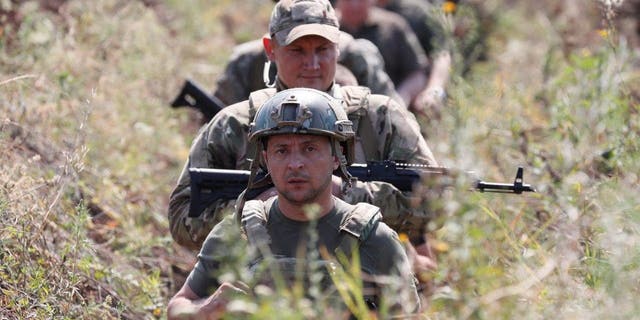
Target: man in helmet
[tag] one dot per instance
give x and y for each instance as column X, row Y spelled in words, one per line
column 302, row 136
column 303, row 43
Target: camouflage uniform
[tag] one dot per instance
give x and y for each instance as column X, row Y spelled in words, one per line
column 243, row 73
column 392, row 134
column 396, row 41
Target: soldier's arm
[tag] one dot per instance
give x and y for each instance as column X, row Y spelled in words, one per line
column 203, row 295
column 235, row 84
column 384, row 254
column 414, row 63
column 220, row 144
column 364, row 60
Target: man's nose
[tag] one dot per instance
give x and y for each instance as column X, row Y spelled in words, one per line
column 312, row 61
column 295, row 161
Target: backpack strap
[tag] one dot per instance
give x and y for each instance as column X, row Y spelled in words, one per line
column 253, row 222
column 357, row 227
column 256, row 99
column 356, row 99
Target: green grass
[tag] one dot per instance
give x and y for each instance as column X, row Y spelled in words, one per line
column 90, row 150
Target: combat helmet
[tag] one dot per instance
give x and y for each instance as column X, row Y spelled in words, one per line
column 305, row 111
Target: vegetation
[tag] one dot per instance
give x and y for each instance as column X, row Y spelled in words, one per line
column 90, row 150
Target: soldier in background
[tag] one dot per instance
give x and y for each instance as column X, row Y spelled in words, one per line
column 426, row 19
column 405, row 61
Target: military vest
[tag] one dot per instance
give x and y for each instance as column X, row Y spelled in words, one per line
column 355, row 229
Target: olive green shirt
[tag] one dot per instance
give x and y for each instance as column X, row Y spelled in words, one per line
column 381, row 254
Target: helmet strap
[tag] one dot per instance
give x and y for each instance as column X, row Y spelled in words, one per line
column 346, row 176
column 254, row 167
column 265, row 75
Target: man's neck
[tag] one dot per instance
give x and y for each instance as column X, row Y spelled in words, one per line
column 308, row 211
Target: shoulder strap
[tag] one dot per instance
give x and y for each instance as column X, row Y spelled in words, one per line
column 356, row 99
column 258, row 98
column 253, row 221
column 357, row 227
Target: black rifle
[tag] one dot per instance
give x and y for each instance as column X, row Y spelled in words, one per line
column 209, row 185
column 193, row 96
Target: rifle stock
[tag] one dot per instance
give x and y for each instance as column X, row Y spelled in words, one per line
column 209, row 185
column 191, row 95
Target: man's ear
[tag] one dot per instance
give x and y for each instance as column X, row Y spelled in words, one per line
column 336, row 162
column 267, row 42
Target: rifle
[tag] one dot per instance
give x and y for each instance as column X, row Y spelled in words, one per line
column 193, row 96
column 209, row 185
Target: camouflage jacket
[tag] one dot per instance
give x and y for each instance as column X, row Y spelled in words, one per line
column 243, row 73
column 392, row 133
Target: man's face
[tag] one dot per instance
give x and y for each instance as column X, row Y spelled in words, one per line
column 301, row 166
column 309, row 62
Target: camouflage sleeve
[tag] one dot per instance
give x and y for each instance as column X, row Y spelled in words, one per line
column 399, row 136
column 214, row 258
column 364, row 60
column 220, row 144
column 399, row 139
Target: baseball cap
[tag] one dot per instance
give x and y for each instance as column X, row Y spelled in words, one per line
column 292, row 19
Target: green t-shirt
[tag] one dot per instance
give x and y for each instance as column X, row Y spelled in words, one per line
column 381, row 253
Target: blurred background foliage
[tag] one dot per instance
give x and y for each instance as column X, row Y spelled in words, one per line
column 90, row 150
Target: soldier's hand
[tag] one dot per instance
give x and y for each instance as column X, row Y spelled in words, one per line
column 422, row 259
column 214, row 307
column 429, row 102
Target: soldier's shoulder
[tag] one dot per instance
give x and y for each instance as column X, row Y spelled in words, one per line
column 359, row 97
column 238, row 110
column 247, row 49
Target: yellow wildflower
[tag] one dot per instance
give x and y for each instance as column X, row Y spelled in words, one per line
column 449, row 7
column 604, row 33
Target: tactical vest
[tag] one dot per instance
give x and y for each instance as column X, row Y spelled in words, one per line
column 355, row 100
column 355, row 228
